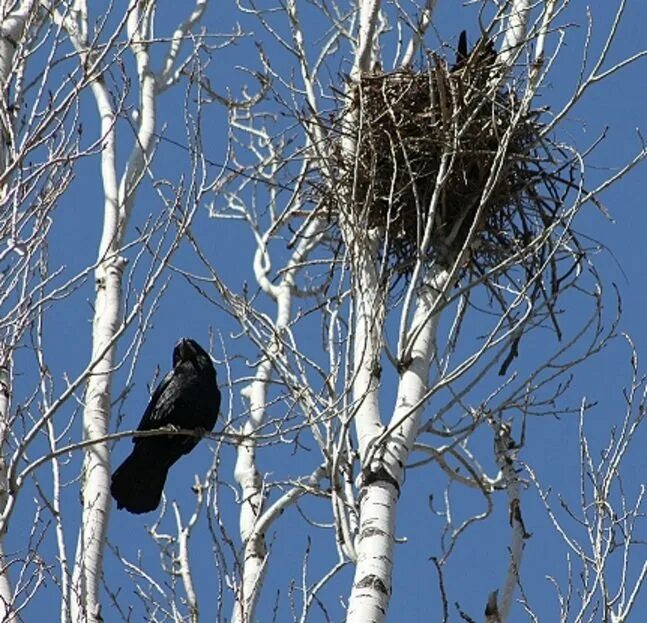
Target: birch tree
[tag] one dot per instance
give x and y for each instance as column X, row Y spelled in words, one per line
column 396, row 293
column 41, row 120
column 420, row 190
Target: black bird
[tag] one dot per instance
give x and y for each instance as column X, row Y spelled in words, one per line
column 187, row 398
column 461, row 51
column 484, row 52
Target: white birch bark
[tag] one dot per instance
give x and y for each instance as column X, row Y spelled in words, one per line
column 246, row 472
column 424, row 21
column 367, row 342
column 368, row 303
column 119, row 199
column 365, row 531
column 368, row 17
column 118, row 205
column 13, row 20
column 382, row 452
column 505, row 450
column 6, row 590
column 250, row 482
column 515, row 33
column 96, row 414
column 384, row 469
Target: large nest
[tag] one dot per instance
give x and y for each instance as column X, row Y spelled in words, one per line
column 442, row 144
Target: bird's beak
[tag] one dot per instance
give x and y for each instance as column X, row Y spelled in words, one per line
column 187, row 352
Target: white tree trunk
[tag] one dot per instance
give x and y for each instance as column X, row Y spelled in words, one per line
column 368, row 13
column 250, row 483
column 367, row 342
column 6, row 590
column 118, row 206
column 119, row 200
column 246, row 472
column 13, row 20
column 96, row 415
column 384, row 470
column 516, row 27
column 371, row 590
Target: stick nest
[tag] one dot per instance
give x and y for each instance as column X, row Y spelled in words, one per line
column 441, row 144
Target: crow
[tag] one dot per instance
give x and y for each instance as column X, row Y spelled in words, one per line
column 187, row 398
column 484, row 53
column 461, row 51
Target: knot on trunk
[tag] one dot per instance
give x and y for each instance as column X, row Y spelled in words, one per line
column 378, row 473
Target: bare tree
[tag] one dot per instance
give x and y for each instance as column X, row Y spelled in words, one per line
column 421, row 201
column 602, row 528
column 42, row 138
column 405, row 217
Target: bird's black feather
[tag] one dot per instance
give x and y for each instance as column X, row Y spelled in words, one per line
column 187, row 398
column 482, row 55
column 461, row 51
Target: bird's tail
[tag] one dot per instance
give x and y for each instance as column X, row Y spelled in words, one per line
column 137, row 483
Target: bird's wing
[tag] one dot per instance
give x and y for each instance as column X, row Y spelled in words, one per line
column 160, row 403
column 461, row 51
column 186, row 398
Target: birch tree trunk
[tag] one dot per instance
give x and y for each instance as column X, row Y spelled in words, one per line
column 96, row 414
column 253, row 520
column 383, row 471
column 6, row 591
column 13, row 23
column 118, row 206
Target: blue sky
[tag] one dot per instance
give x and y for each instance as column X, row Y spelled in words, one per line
column 479, row 562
